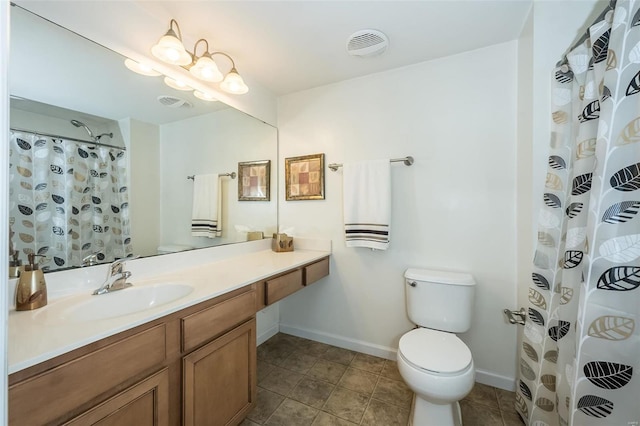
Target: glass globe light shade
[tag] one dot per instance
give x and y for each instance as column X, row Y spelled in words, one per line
column 171, row 50
column 234, row 84
column 206, row 69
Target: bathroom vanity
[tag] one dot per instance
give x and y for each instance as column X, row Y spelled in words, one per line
column 192, row 362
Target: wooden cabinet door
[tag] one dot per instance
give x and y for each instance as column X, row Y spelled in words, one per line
column 220, row 379
column 144, row 404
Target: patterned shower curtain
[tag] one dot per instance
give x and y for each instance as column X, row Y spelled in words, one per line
column 580, row 356
column 68, row 200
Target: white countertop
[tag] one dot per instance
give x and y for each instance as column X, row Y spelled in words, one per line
column 39, row 335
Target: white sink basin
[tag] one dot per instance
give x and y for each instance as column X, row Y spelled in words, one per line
column 125, row 302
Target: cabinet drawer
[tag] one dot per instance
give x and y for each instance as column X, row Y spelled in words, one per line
column 50, row 395
column 206, row 324
column 315, row 271
column 279, row 288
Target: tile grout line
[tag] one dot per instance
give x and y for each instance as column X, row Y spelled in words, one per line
column 386, row 366
column 369, row 400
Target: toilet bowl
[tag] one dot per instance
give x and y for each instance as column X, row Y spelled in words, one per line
column 438, row 367
column 434, row 363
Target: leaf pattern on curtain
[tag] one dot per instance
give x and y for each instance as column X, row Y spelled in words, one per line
column 68, row 200
column 608, row 375
column 580, row 351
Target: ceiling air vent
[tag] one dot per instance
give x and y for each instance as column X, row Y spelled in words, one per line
column 367, row 43
column 174, row 102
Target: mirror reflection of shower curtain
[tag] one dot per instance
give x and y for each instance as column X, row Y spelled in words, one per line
column 580, row 356
column 68, row 200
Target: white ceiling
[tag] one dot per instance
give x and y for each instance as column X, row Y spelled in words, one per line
column 278, row 46
column 288, row 46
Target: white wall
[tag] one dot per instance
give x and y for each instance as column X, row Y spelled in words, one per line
column 144, row 192
column 454, row 209
column 214, row 143
column 526, row 235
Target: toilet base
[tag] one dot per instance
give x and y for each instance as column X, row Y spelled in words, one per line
column 424, row 413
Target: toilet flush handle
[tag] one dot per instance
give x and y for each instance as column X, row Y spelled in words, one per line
column 412, row 283
column 516, row 317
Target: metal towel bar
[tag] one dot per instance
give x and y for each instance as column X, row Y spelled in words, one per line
column 232, row 175
column 406, row 160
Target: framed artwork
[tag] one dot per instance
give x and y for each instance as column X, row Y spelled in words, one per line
column 254, row 180
column 304, row 177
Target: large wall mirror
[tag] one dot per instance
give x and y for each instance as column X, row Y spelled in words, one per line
column 74, row 201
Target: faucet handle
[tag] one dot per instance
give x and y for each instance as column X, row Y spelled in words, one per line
column 91, row 259
column 116, row 266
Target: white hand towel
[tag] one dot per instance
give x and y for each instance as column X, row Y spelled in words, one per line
column 367, row 204
column 206, row 214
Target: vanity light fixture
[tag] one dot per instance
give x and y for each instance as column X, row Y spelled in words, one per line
column 233, row 83
column 176, row 84
column 170, row 49
column 140, row 68
column 204, row 67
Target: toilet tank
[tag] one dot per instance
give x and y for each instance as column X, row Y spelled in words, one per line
column 173, row 248
column 440, row 300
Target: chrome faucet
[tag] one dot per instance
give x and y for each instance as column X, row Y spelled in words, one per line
column 116, row 277
column 90, row 260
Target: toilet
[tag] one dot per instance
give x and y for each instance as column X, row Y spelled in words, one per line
column 173, row 248
column 435, row 364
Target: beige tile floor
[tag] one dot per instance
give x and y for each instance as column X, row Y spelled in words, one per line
column 302, row 382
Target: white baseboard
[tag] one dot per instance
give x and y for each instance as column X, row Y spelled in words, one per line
column 267, row 334
column 341, row 341
column 495, row 380
column 484, row 377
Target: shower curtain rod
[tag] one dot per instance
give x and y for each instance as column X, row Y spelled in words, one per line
column 406, row 160
column 585, row 35
column 122, row 148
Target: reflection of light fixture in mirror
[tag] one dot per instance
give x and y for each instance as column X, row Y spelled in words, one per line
column 205, row 68
column 170, row 48
column 204, row 96
column 176, row 84
column 140, row 68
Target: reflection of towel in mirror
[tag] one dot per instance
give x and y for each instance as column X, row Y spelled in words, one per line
column 206, row 219
column 367, row 204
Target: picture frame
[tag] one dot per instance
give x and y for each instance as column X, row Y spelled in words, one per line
column 304, row 177
column 254, row 180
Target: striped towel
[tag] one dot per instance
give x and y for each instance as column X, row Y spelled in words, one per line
column 367, row 204
column 207, row 198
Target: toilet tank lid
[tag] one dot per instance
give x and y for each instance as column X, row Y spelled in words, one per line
column 174, row 248
column 445, row 277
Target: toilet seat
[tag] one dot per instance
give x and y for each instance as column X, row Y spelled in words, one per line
column 436, row 352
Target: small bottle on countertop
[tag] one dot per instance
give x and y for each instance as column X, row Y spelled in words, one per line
column 31, row 290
